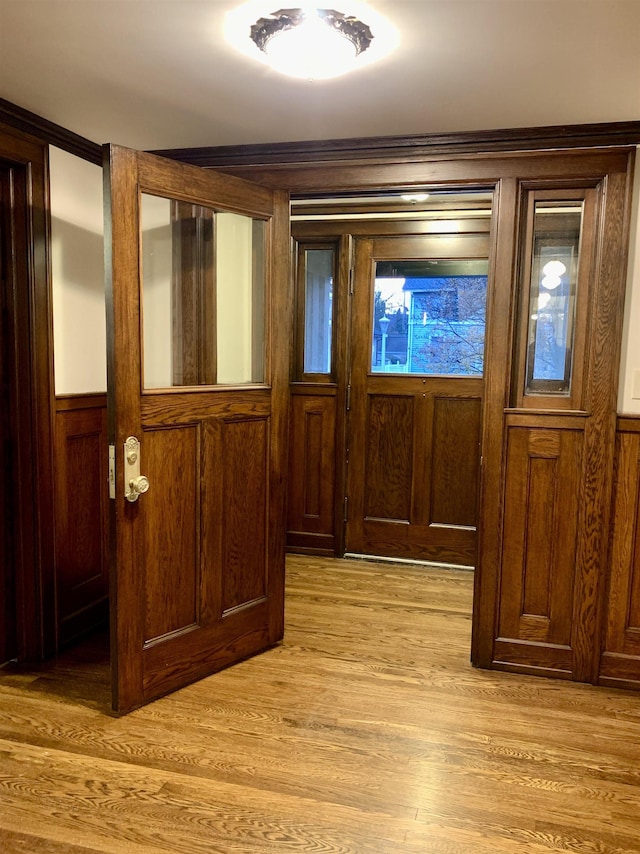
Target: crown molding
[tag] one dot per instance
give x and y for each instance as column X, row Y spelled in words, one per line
column 415, row 147
column 23, row 120
column 412, row 147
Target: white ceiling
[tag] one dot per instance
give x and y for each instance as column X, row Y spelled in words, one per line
column 159, row 74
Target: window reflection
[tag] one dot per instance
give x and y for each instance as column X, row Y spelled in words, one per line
column 203, row 293
column 318, row 310
column 552, row 300
column 430, row 319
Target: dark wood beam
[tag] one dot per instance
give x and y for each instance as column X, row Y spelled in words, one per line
column 412, row 147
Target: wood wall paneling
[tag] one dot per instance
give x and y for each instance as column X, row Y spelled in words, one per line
column 620, row 659
column 543, row 474
column 81, row 521
column 414, row 165
column 312, row 471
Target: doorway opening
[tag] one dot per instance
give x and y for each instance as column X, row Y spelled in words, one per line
column 386, row 398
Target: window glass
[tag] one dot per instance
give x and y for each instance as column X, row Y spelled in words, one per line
column 318, row 310
column 203, row 291
column 552, row 297
column 429, row 317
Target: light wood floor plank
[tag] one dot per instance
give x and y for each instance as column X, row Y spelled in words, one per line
column 365, row 732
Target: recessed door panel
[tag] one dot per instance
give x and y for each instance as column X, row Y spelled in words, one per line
column 244, row 486
column 170, row 540
column 389, row 467
column 455, row 461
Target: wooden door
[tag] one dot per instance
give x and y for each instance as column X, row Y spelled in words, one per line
column 415, row 398
column 198, row 359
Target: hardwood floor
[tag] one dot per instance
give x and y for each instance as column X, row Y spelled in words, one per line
column 365, row 731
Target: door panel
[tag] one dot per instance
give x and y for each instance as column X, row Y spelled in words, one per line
column 539, row 543
column 414, row 435
column 454, row 460
column 312, row 471
column 199, row 557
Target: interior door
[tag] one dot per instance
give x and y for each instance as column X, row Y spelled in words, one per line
column 416, row 394
column 197, row 305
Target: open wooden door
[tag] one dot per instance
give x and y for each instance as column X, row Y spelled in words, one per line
column 197, row 304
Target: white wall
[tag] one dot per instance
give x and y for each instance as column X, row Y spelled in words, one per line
column 234, row 297
column 156, row 291
column 77, row 266
column 629, row 391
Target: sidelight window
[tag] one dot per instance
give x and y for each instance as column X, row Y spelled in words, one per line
column 557, row 259
column 316, row 276
column 552, row 297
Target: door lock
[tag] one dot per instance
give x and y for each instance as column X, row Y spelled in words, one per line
column 135, row 484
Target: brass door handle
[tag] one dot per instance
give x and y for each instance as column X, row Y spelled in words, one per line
column 135, row 484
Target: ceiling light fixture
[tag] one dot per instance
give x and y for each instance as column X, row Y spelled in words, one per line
column 311, row 43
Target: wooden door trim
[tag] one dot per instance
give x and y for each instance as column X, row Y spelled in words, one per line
column 508, row 173
column 415, row 147
column 36, row 578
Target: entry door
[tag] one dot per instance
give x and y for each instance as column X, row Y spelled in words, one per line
column 197, row 321
column 416, row 394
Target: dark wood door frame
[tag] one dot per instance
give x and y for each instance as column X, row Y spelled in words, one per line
column 509, row 175
column 24, row 162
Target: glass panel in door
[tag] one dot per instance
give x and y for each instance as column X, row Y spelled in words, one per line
column 203, row 295
column 429, row 317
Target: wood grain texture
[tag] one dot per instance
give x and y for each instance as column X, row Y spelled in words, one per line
column 81, row 526
column 198, row 579
column 388, row 472
column 26, row 245
column 455, row 461
column 244, row 484
column 540, row 541
column 170, row 541
column 365, row 732
column 312, row 467
column 413, row 439
column 620, row 659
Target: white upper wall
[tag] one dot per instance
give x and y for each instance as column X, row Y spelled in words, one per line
column 77, row 267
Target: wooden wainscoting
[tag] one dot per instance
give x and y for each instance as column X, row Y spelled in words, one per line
column 312, row 467
column 81, row 519
column 542, row 503
column 620, row 659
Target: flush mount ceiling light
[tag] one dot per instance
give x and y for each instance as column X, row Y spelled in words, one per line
column 312, row 43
